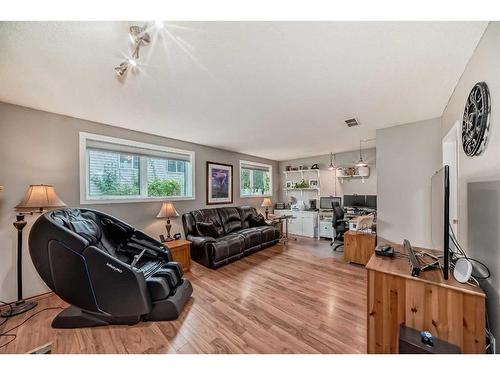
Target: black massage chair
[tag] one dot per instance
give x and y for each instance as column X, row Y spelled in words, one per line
column 109, row 272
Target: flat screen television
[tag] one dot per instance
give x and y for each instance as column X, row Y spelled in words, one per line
column 440, row 215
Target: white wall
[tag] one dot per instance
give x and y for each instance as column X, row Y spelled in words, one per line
column 330, row 184
column 41, row 147
column 473, row 171
column 407, row 157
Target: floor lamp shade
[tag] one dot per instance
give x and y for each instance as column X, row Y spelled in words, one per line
column 40, row 197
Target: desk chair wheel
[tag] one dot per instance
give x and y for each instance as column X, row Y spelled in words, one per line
column 338, row 246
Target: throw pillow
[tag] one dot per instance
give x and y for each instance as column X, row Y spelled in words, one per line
column 257, row 220
column 207, row 229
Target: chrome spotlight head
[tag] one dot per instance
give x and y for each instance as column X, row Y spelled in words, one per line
column 139, row 35
column 121, row 69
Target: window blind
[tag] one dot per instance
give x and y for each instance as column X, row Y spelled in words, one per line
column 109, row 146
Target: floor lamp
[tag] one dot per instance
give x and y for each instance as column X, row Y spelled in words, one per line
column 37, row 198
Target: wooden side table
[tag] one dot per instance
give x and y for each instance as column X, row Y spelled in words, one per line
column 359, row 246
column 181, row 252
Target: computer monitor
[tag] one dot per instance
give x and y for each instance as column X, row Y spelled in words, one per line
column 325, row 202
column 371, row 201
column 354, row 200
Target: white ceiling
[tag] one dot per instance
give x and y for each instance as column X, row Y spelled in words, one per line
column 279, row 90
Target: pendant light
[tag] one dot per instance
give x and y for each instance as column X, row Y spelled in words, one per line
column 361, row 162
column 332, row 165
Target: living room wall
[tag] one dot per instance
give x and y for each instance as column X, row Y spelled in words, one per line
column 407, row 157
column 39, row 147
column 479, row 176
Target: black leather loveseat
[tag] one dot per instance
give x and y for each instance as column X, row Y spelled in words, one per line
column 109, row 272
column 222, row 235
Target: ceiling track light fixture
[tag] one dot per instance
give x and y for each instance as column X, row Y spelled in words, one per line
column 139, row 38
column 361, row 162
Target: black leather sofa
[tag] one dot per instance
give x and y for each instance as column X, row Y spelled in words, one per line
column 236, row 232
column 109, row 272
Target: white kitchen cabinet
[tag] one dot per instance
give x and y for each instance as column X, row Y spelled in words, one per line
column 304, row 224
column 295, row 225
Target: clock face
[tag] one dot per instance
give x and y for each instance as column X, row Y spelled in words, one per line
column 476, row 121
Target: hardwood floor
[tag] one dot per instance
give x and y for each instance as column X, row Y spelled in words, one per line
column 295, row 299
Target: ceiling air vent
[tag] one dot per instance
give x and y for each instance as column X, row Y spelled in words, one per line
column 351, row 122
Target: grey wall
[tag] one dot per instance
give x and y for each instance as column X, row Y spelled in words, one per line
column 40, row 147
column 330, row 184
column 483, row 244
column 407, row 157
column 483, row 66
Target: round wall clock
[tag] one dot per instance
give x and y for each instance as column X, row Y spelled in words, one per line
column 476, row 121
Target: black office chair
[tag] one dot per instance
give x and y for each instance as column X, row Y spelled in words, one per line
column 339, row 224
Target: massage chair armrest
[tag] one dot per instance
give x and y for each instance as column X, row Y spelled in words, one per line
column 119, row 289
column 200, row 241
column 139, row 240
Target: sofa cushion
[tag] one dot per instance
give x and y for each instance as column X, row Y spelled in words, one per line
column 207, row 229
column 231, row 219
column 209, row 215
column 257, row 221
column 252, row 237
column 245, row 213
column 268, row 233
column 227, row 246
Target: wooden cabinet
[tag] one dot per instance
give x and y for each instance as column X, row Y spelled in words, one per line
column 181, row 252
column 451, row 311
column 359, row 246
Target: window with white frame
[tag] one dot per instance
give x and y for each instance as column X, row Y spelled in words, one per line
column 118, row 170
column 255, row 179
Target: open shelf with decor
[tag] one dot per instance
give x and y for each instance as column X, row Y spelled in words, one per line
column 301, row 173
column 353, row 172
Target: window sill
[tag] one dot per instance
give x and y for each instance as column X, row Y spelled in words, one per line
column 136, row 200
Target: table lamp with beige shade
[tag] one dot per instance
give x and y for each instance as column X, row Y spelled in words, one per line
column 267, row 203
column 168, row 210
column 36, row 200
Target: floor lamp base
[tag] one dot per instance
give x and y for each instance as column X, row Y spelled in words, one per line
column 19, row 307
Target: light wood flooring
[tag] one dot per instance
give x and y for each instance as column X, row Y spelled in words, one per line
column 295, row 299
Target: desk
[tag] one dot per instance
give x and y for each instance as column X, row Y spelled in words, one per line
column 359, row 246
column 451, row 311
